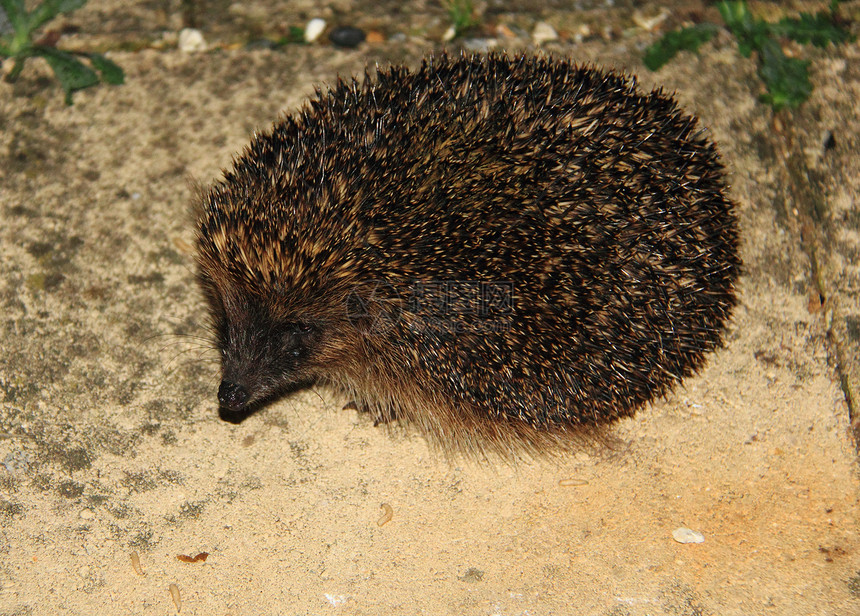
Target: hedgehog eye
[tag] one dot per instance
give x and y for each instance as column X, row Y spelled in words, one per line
column 297, row 336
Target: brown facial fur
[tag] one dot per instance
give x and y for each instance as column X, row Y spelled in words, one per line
column 372, row 239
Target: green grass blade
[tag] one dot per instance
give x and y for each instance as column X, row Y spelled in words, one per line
column 460, row 14
column 735, row 13
column 750, row 32
column 16, row 38
column 15, row 11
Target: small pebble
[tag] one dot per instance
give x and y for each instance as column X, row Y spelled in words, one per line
column 449, row 35
column 375, row 36
column 543, row 33
column 335, row 600
column 17, row 461
column 482, row 45
column 86, row 514
column 472, row 575
column 650, row 23
column 191, row 40
column 581, row 33
column 685, row 535
column 346, row 36
column 313, row 29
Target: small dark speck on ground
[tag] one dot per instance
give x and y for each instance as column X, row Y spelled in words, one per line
column 472, row 575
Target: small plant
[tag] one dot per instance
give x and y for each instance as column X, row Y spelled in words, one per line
column 18, row 43
column 461, row 14
column 786, row 79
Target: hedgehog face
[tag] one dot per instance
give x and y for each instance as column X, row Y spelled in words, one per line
column 261, row 354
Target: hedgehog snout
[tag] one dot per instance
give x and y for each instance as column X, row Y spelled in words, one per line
column 262, row 358
column 232, row 396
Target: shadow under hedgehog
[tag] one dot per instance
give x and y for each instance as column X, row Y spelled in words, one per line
column 501, row 250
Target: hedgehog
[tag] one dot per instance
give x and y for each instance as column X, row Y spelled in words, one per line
column 504, row 251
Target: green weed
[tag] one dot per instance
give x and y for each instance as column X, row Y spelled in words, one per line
column 786, row 79
column 461, row 14
column 72, row 74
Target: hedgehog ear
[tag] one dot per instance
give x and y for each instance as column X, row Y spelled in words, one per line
column 372, row 308
column 359, row 312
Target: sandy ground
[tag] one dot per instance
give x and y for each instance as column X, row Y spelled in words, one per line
column 111, row 442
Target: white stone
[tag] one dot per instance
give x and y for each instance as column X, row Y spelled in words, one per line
column 543, row 33
column 313, row 29
column 191, row 40
column 482, row 45
column 335, row 600
column 650, row 23
column 685, row 535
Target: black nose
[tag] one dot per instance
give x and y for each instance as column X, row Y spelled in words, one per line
column 232, row 396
